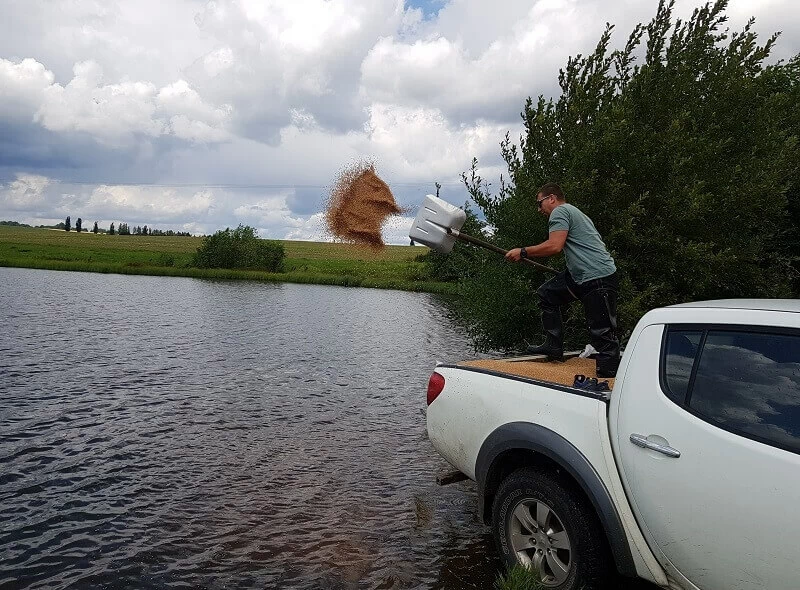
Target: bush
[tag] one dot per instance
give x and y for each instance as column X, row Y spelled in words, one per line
column 239, row 248
column 687, row 164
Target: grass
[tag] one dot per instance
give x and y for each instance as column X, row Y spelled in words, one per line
column 519, row 578
column 393, row 267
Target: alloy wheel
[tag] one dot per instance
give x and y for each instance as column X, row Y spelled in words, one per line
column 539, row 540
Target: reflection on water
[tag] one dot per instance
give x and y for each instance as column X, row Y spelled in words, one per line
column 168, row 432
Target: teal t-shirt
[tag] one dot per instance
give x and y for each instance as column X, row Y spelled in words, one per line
column 586, row 254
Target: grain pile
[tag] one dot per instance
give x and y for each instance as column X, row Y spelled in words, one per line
column 358, row 206
column 562, row 373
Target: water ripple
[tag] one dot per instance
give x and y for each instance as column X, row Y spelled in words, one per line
column 164, row 432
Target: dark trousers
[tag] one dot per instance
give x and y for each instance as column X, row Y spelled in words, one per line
column 599, row 299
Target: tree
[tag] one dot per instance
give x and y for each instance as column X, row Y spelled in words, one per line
column 672, row 159
column 111, row 229
column 239, row 248
column 67, row 224
column 95, row 228
column 78, row 225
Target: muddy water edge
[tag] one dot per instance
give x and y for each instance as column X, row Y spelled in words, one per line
column 168, row 432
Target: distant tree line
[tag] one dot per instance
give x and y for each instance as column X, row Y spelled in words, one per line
column 9, row 223
column 123, row 230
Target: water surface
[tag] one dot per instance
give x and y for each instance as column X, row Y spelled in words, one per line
column 160, row 432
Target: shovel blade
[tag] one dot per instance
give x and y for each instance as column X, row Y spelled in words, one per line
column 430, row 226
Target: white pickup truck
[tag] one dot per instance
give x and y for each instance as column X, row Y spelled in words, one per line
column 686, row 474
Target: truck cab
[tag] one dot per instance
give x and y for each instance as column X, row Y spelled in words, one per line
column 718, row 383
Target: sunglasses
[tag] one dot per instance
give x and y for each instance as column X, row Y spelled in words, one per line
column 540, row 201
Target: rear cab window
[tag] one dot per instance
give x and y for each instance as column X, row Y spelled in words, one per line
column 680, row 350
column 743, row 379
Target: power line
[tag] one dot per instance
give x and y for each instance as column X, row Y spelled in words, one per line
column 225, row 185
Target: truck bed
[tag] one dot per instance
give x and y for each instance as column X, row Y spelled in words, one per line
column 538, row 367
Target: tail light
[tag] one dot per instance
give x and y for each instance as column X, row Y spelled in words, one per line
column 435, row 387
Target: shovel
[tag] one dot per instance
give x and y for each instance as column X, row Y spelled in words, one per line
column 437, row 226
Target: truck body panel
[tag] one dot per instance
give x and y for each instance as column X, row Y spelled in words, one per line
column 697, row 446
column 712, row 514
column 472, row 406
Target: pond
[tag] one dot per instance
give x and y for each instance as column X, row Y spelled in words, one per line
column 162, row 432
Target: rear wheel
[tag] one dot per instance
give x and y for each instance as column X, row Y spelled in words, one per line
column 541, row 522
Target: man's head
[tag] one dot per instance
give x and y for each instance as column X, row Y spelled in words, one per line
column 549, row 197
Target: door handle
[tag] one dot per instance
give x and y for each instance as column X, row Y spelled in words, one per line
column 641, row 440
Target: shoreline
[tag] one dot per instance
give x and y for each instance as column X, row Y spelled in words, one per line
column 434, row 287
column 318, row 263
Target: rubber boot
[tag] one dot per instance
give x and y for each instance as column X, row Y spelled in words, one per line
column 553, row 345
column 601, row 314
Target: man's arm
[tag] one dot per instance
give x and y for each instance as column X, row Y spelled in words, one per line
column 554, row 244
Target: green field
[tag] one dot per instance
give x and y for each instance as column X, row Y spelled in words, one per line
column 393, row 267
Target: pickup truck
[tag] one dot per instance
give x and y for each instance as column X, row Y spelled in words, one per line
column 686, row 473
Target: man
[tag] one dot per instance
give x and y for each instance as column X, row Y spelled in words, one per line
column 591, row 277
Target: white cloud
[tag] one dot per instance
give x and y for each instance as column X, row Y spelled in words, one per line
column 114, row 114
column 264, row 212
column 157, row 204
column 111, row 113
column 306, row 26
column 191, row 118
column 311, row 229
column 147, row 40
column 180, row 98
column 22, row 86
column 218, row 61
column 395, row 230
column 197, row 131
column 419, row 143
column 274, row 219
column 476, row 62
column 276, row 57
column 25, row 193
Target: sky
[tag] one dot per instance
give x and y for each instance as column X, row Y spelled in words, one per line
column 198, row 115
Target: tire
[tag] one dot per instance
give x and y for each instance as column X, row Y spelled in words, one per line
column 540, row 521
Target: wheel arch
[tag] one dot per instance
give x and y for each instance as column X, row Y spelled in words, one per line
column 523, row 444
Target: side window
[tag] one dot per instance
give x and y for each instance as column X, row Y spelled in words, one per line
column 749, row 383
column 679, row 353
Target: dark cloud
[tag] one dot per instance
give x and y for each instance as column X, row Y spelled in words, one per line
column 307, row 200
column 78, row 157
column 31, row 148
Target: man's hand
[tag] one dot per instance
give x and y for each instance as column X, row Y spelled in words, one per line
column 554, row 244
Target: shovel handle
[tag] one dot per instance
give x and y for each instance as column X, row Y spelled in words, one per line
column 498, row 249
